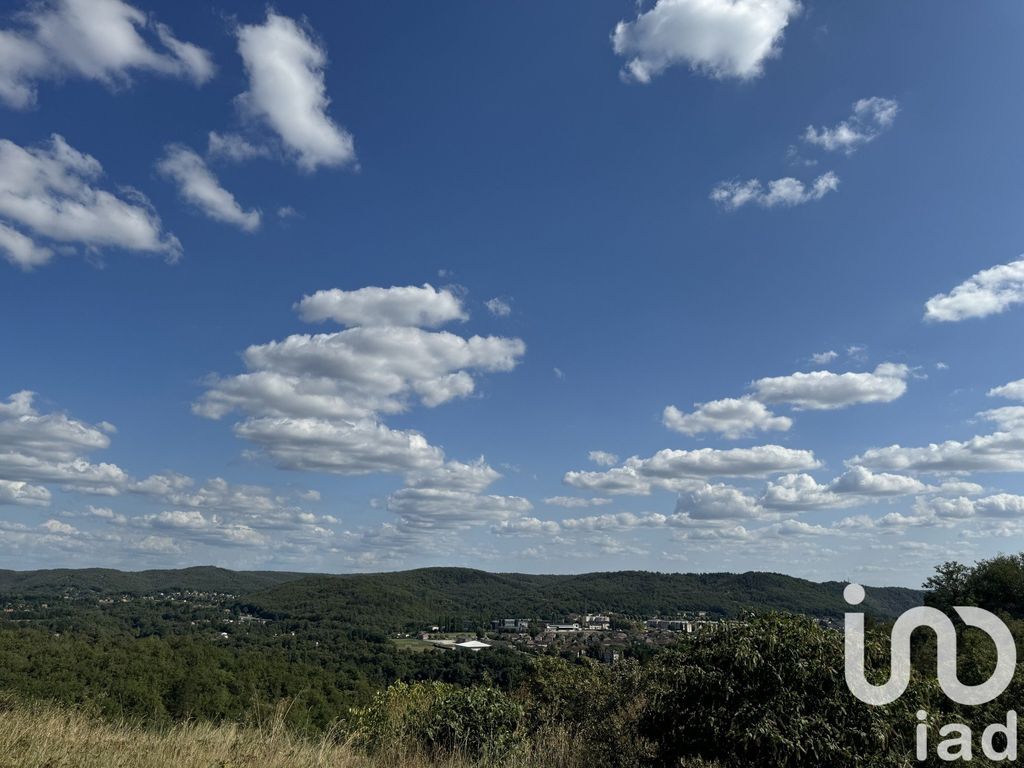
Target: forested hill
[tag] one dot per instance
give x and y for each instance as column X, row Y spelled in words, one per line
column 106, row 581
column 407, row 599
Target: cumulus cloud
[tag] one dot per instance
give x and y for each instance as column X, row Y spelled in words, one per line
column 730, row 417
column 870, row 118
column 998, row 452
column 989, row 292
column 576, row 502
column 103, row 40
column 50, row 192
column 824, row 390
column 824, row 358
column 1010, row 418
column 801, row 492
column 617, row 521
column 287, row 91
column 526, row 526
column 498, row 307
column 199, row 187
column 423, row 306
column 1002, row 506
column 718, row 502
column 1012, row 391
column 20, row 492
column 721, row 38
column 428, row 508
column 678, row 470
column 50, row 448
column 318, row 402
column 231, row 146
column 785, row 192
column 603, row 458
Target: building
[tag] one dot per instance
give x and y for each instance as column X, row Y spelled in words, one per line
column 597, row 621
column 511, row 625
column 472, row 645
column 563, row 627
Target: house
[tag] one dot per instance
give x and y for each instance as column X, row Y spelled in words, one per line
column 597, row 621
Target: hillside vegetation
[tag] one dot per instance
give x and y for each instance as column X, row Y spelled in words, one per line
column 408, row 599
column 107, row 581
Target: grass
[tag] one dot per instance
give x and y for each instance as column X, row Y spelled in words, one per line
column 414, row 644
column 41, row 735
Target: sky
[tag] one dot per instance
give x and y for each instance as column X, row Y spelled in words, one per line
column 695, row 285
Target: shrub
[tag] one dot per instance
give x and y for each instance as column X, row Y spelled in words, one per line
column 438, row 719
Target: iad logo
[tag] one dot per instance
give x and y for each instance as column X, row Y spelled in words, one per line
column 899, row 675
column 958, row 746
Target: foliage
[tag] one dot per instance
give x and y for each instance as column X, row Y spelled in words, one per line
column 437, row 719
column 464, row 599
column 770, row 694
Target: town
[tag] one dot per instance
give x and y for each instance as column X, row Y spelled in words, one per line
column 602, row 636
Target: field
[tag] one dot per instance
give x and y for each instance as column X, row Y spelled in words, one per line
column 37, row 735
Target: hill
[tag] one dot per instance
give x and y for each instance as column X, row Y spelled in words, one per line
column 106, row 581
column 408, row 599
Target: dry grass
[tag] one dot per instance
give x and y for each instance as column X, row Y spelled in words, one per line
column 37, row 735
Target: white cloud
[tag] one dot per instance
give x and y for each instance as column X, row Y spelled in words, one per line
column 433, row 508
column 824, row 358
column 423, row 306
column 21, row 250
column 472, row 477
column 231, row 146
column 862, row 482
column 1012, row 391
column 988, row 292
column 730, row 417
column 526, row 526
column 870, row 118
column 19, row 492
column 498, row 307
column 998, row 506
column 576, row 502
column 617, row 480
column 101, row 40
column 677, row 470
column 50, row 448
column 721, row 38
column 617, row 521
column 287, row 91
column 314, row 402
column 998, row 452
column 824, row 390
column 718, row 502
column 1010, row 418
column 757, row 461
column 797, row 492
column 56, row 526
column 345, row 448
column 198, row 186
column 603, row 458
column 785, row 192
column 49, row 191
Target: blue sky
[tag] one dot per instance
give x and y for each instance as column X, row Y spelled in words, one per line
column 612, row 188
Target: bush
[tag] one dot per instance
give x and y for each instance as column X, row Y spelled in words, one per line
column 435, row 720
column 770, row 694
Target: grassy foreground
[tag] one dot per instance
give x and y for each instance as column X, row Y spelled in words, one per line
column 41, row 735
